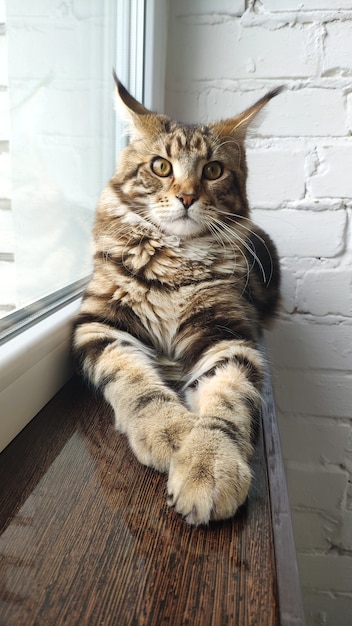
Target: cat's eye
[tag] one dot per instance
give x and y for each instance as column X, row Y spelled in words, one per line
column 161, row 167
column 212, row 170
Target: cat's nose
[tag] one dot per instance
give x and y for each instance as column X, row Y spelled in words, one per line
column 187, row 199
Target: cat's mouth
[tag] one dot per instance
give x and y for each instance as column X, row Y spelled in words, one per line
column 183, row 222
column 186, row 217
column 183, row 225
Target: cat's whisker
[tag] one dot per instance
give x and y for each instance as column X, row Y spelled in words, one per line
column 220, row 141
column 215, row 232
column 251, row 231
column 232, row 142
column 238, row 221
column 226, row 238
column 233, row 237
column 227, row 235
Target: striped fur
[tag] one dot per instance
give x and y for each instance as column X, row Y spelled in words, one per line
column 182, row 283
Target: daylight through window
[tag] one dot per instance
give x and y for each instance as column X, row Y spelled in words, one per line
column 57, row 136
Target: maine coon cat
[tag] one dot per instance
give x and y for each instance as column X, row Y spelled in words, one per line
column 183, row 281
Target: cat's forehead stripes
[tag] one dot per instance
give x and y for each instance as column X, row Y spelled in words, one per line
column 188, row 139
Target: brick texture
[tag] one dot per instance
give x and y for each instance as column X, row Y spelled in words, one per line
column 300, row 189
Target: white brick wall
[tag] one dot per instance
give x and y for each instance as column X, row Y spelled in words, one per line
column 332, row 177
column 328, row 292
column 221, row 57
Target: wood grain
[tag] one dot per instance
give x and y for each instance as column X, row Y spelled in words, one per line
column 87, row 538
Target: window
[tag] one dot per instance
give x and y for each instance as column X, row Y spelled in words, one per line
column 59, row 138
column 61, row 144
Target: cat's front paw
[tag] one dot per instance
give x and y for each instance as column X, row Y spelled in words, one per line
column 154, row 438
column 208, row 478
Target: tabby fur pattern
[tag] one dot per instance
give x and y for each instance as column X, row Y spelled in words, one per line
column 183, row 282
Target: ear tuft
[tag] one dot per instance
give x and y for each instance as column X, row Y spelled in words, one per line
column 129, row 101
column 239, row 125
column 140, row 122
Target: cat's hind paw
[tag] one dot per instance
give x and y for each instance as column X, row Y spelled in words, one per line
column 208, row 478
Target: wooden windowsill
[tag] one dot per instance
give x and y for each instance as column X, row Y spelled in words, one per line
column 86, row 537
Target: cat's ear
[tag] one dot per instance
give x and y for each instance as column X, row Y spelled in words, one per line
column 140, row 122
column 238, row 126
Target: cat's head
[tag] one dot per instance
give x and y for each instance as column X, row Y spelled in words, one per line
column 186, row 179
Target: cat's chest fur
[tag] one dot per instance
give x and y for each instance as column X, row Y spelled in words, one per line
column 160, row 278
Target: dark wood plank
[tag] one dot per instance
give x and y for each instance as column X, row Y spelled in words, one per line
column 289, row 591
column 87, row 537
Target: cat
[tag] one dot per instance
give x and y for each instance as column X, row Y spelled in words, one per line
column 183, row 282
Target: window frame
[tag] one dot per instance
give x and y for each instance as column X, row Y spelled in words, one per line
column 35, row 362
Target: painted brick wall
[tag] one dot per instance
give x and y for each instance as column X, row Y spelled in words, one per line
column 222, row 56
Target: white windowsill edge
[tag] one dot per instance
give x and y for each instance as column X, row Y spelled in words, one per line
column 39, row 354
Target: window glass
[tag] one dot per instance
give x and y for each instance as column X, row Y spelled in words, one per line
column 57, row 140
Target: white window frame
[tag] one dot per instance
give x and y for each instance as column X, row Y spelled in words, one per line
column 36, row 363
